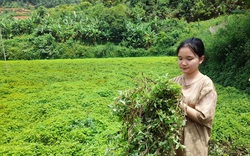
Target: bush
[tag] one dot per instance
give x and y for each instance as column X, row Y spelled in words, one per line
column 138, row 35
column 19, row 48
column 44, row 46
column 228, row 54
column 168, row 34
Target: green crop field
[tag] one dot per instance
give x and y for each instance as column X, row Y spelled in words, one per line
column 61, row 107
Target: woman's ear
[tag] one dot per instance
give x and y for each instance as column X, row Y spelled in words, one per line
column 202, row 59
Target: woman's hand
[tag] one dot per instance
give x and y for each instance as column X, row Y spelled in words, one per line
column 183, row 106
column 189, row 111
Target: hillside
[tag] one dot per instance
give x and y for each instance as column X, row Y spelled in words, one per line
column 133, row 29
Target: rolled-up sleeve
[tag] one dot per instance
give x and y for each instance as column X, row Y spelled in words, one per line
column 206, row 105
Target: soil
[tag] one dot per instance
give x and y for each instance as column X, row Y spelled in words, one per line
column 20, row 13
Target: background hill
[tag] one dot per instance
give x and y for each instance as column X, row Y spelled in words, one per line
column 123, row 28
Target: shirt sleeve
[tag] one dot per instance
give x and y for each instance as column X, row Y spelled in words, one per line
column 207, row 104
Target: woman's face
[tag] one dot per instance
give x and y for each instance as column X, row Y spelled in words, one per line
column 188, row 61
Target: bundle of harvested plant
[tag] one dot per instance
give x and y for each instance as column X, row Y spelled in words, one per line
column 152, row 120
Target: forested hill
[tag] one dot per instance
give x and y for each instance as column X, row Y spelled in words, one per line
column 191, row 10
column 131, row 28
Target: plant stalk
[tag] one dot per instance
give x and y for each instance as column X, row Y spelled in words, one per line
column 4, row 54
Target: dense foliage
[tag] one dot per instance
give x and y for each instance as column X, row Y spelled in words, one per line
column 191, row 10
column 86, row 25
column 61, row 107
column 133, row 28
column 232, row 111
column 152, row 119
column 229, row 54
column 108, row 32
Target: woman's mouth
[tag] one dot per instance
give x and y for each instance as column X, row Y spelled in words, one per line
column 184, row 68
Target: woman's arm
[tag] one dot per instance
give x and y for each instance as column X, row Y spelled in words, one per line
column 204, row 111
column 190, row 112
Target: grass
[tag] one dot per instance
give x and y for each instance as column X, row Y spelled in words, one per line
column 61, row 107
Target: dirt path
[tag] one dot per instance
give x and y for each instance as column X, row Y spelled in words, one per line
column 20, row 13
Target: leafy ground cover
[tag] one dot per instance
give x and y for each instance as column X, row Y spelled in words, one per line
column 61, row 107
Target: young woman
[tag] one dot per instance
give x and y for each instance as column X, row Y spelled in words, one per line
column 198, row 98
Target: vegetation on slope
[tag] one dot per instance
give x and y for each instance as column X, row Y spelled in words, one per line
column 61, row 107
column 57, row 33
column 228, row 54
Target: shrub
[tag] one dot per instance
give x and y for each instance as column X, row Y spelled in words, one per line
column 19, row 48
column 168, row 34
column 228, row 56
column 44, row 45
column 138, row 35
column 72, row 49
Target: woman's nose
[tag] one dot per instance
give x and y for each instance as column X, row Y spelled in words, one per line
column 184, row 63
